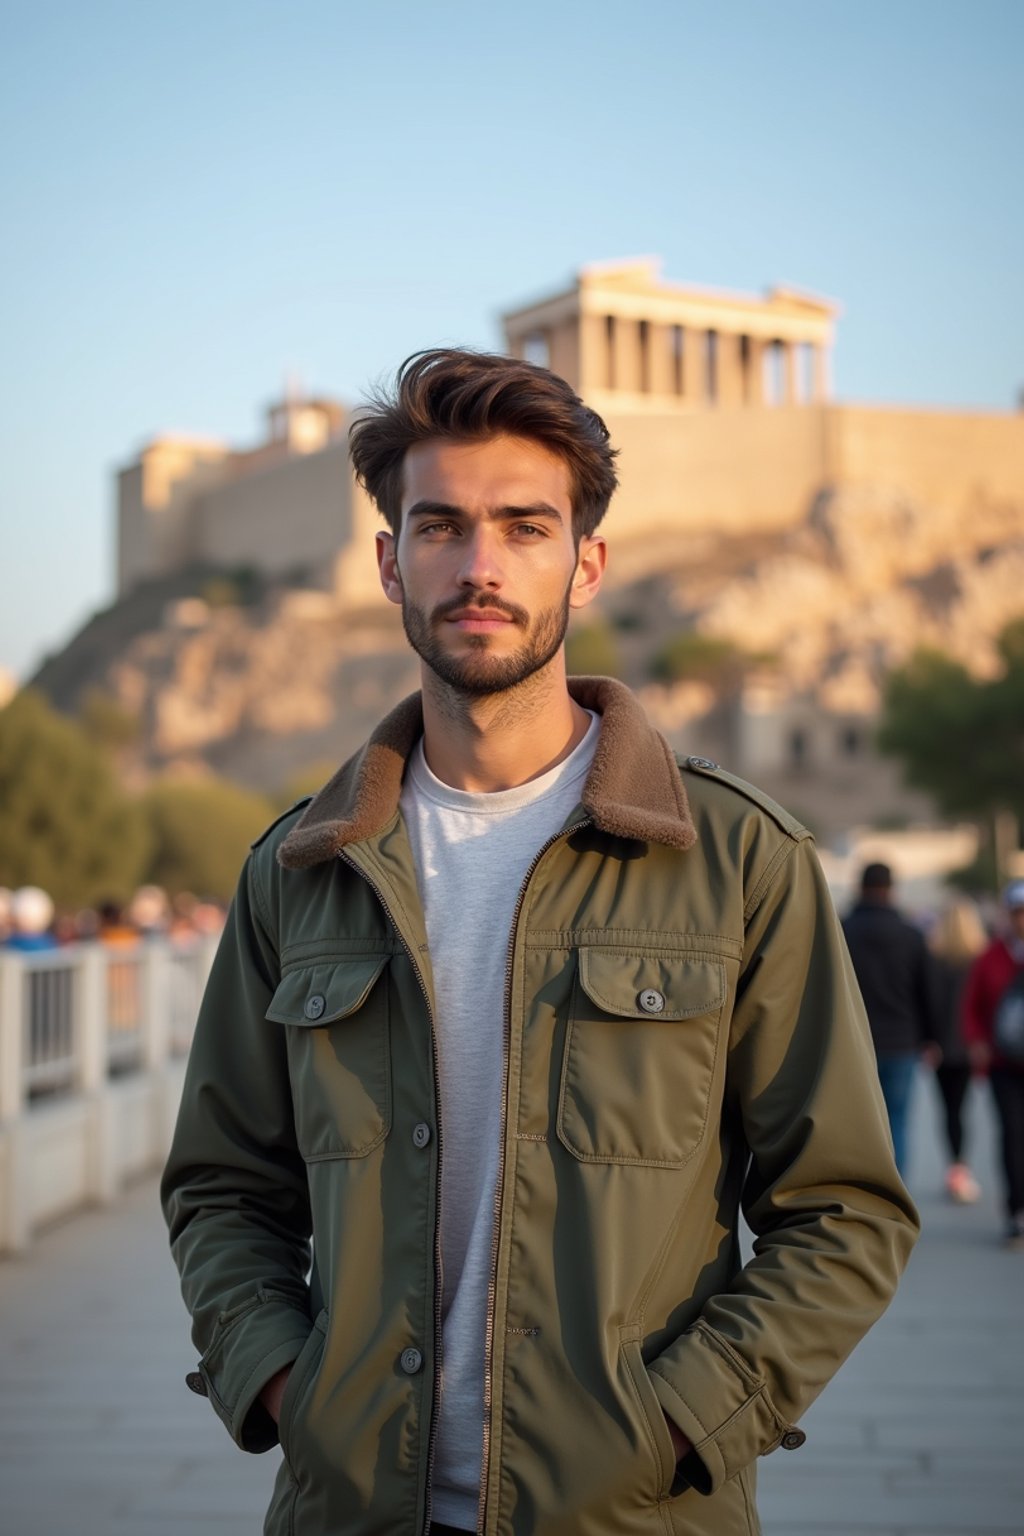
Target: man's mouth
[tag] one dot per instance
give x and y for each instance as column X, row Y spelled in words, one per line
column 478, row 620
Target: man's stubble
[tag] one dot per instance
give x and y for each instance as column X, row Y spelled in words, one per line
column 479, row 674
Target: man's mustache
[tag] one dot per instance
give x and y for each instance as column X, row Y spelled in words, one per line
column 478, row 605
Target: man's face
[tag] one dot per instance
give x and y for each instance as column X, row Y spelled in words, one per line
column 484, row 565
column 1017, row 921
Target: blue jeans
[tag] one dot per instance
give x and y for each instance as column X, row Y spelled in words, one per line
column 896, row 1073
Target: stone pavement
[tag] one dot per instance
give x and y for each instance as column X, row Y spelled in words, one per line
column 921, row 1434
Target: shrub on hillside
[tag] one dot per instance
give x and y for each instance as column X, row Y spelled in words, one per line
column 591, row 651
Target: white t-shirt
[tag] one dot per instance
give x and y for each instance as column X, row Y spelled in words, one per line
column 472, row 853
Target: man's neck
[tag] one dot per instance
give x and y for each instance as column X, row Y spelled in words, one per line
column 497, row 741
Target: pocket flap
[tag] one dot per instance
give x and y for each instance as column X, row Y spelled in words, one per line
column 652, row 986
column 321, row 994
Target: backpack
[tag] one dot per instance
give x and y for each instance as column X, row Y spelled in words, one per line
column 1008, row 1024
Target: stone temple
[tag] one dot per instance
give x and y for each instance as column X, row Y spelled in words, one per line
column 719, row 403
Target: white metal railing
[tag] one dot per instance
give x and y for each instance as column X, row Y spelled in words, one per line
column 48, row 1023
column 83, row 1029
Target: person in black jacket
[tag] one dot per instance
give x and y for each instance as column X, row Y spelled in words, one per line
column 897, row 980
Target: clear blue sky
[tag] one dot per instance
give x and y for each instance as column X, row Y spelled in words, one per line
column 201, row 197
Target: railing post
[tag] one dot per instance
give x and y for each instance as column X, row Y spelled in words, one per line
column 92, row 1066
column 14, row 1202
column 155, row 992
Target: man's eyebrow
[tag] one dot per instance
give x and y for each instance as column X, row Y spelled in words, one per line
column 536, row 510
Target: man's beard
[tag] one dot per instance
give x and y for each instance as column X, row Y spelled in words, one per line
column 479, row 673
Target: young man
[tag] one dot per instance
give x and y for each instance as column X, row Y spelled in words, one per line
column 513, row 1020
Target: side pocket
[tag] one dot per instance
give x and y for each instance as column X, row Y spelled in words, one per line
column 302, row 1372
column 658, row 1437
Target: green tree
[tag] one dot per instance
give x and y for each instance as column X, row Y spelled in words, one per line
column 591, row 651
column 692, row 657
column 306, row 781
column 201, row 832
column 961, row 738
column 106, row 722
column 65, row 823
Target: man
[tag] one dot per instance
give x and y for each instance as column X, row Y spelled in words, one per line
column 513, row 1019
column 996, row 969
column 898, row 984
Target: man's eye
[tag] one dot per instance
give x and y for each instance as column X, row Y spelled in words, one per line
column 530, row 529
column 437, row 528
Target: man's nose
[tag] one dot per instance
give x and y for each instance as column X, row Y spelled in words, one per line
column 480, row 565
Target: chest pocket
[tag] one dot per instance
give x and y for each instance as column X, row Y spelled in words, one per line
column 339, row 1059
column 640, row 1051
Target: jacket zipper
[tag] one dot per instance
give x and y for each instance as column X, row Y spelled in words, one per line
column 436, row 1398
column 492, row 1284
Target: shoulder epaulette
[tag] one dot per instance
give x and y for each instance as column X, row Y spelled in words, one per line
column 278, row 820
column 710, row 770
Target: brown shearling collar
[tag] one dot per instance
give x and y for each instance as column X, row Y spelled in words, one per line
column 634, row 788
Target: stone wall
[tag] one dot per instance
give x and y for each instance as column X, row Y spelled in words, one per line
column 293, row 516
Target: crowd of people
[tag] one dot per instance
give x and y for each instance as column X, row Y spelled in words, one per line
column 31, row 922
column 954, row 997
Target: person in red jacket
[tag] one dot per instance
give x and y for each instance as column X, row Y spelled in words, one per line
column 987, row 980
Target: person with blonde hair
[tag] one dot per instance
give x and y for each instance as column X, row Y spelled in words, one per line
column 956, row 940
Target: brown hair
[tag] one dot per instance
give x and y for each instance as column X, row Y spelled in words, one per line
column 464, row 395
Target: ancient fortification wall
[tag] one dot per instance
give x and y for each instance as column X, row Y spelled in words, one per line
column 292, row 517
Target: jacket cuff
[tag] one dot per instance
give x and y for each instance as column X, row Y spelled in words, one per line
column 720, row 1405
column 266, row 1336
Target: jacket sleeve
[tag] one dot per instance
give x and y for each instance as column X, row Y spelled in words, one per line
column 832, row 1222
column 234, row 1189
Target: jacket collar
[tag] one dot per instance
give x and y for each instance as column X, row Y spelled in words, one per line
column 634, row 788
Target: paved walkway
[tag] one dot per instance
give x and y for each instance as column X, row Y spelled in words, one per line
column 922, row 1433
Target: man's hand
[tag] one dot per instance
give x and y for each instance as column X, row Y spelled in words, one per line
column 273, row 1392
column 680, row 1444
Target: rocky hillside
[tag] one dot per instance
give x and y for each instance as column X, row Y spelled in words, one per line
column 284, row 683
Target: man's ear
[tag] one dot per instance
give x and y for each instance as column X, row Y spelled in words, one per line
column 591, row 558
column 387, row 565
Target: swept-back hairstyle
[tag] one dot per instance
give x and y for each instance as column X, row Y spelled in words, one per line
column 465, row 396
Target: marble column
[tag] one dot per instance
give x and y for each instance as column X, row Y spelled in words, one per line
column 660, row 380
column 626, row 355
column 695, row 365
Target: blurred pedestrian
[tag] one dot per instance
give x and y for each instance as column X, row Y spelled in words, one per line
column 31, row 920
column 114, row 930
column 897, row 981
column 956, row 941
column 149, row 911
column 991, row 976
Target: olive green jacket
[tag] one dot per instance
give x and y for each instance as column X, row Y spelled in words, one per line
column 684, row 1040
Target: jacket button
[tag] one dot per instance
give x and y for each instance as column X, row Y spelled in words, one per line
column 700, row 762
column 195, row 1383
column 793, row 1439
column 651, row 1000
column 315, row 1006
column 410, row 1361
column 421, row 1134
